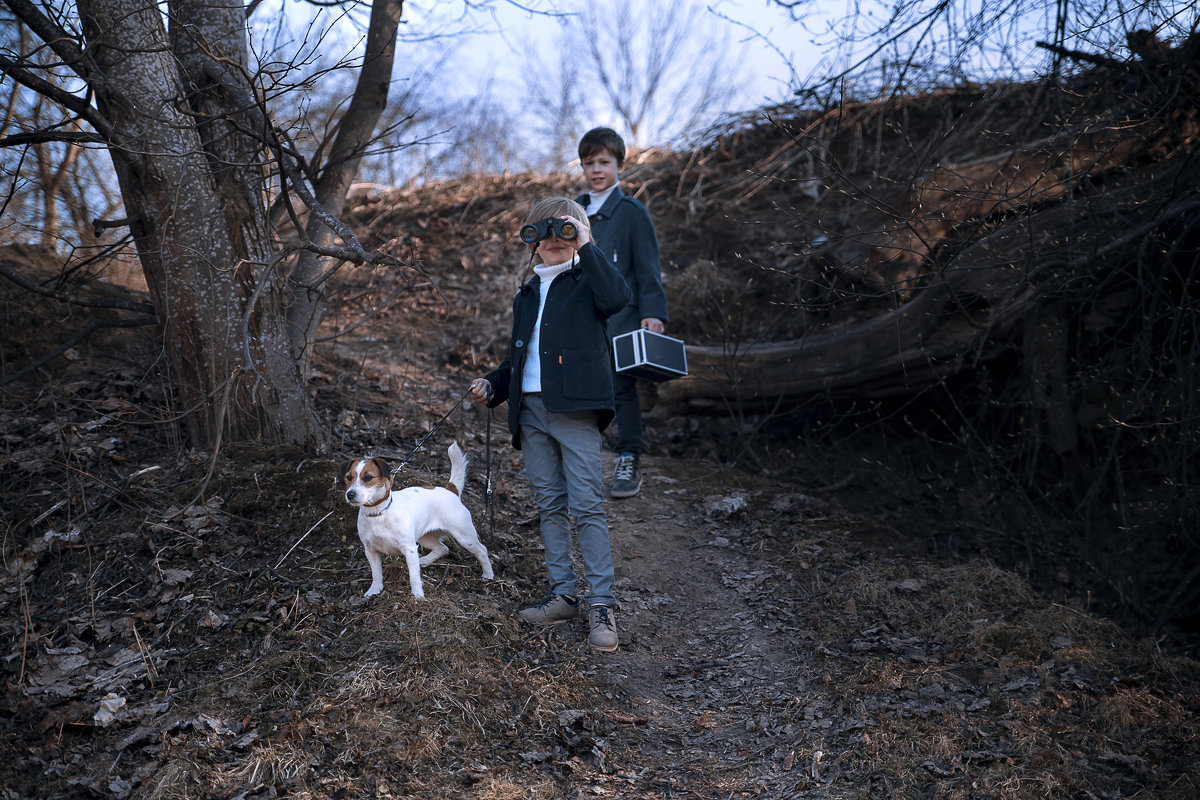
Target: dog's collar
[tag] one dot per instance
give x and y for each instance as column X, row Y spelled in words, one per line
column 381, row 511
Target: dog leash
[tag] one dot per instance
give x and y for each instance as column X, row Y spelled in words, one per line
column 436, row 425
column 487, row 466
column 487, row 454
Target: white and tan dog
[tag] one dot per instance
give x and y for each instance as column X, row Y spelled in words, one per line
column 393, row 522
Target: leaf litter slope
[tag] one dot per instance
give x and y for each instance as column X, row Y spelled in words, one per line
column 774, row 644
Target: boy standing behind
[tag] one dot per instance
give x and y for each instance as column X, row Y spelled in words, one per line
column 622, row 229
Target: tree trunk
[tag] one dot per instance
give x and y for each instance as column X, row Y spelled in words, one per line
column 355, row 130
column 197, row 214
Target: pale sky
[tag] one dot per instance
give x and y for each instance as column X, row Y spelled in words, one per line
column 762, row 33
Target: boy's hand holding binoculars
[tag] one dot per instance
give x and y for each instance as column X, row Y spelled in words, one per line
column 584, row 234
column 567, row 228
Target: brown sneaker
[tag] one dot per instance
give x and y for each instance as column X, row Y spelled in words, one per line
column 603, row 626
column 551, row 610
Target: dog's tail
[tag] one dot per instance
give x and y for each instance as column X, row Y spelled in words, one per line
column 458, row 469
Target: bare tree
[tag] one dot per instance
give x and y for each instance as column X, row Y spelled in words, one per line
column 656, row 71
column 553, row 106
column 58, row 179
column 53, row 161
column 663, row 70
column 351, row 141
column 175, row 100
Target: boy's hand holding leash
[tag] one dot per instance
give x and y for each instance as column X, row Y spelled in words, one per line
column 481, row 390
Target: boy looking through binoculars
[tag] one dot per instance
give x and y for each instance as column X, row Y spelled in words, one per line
column 558, row 381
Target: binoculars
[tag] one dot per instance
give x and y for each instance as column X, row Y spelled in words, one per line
column 547, row 228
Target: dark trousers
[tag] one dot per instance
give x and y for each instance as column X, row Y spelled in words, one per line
column 629, row 414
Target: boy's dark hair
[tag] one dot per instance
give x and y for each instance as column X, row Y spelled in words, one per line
column 598, row 139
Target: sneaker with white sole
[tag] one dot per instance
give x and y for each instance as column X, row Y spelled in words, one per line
column 627, row 476
column 551, row 610
column 602, row 626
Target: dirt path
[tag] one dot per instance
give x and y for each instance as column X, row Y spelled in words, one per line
column 713, row 656
column 709, row 649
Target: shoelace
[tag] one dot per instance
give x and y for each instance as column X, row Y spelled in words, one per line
column 624, row 468
column 550, row 598
column 602, row 617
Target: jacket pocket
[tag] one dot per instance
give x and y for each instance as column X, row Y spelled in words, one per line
column 586, row 375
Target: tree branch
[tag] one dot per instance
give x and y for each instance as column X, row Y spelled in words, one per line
column 260, row 125
column 58, row 39
column 1079, row 55
column 44, row 136
column 48, row 90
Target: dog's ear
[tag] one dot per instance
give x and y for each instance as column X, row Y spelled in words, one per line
column 382, row 465
column 344, row 469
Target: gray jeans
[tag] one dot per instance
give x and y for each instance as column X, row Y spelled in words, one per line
column 563, row 464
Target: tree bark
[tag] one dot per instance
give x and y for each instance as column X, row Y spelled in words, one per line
column 198, row 216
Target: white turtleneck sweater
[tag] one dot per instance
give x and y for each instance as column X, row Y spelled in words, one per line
column 595, row 201
column 531, row 376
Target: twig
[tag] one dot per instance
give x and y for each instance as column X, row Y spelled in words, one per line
column 30, row 286
column 301, row 539
column 147, row 657
column 1079, row 55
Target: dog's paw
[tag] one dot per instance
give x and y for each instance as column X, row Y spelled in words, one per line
column 374, row 590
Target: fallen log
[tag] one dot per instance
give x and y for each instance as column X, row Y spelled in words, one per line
column 890, row 245
column 970, row 311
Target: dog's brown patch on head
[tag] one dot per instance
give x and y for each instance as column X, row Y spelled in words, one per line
column 373, row 471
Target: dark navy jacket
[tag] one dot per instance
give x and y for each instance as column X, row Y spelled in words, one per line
column 623, row 231
column 576, row 365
